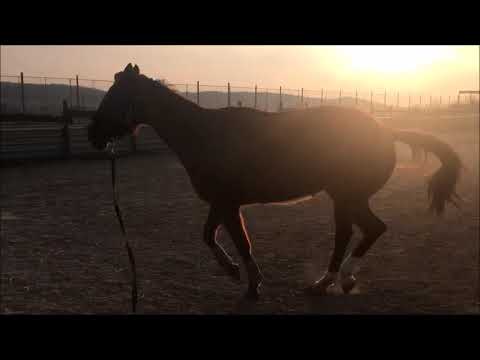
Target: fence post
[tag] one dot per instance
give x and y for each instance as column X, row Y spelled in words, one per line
column 67, row 120
column 371, row 102
column 78, row 93
column 22, row 91
column 340, row 97
column 420, row 102
column 3, row 94
column 133, row 143
column 301, row 98
column 321, row 97
column 356, row 97
column 440, row 101
column 409, row 101
column 280, row 105
column 255, row 98
column 198, row 92
column 458, row 99
column 448, row 100
column 71, row 91
column 266, row 100
column 228, row 97
column 385, row 99
column 186, row 91
column 430, row 102
column 46, row 94
column 398, row 100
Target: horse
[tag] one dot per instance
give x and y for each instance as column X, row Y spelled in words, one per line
column 236, row 157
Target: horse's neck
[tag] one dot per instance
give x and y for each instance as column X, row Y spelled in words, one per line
column 176, row 123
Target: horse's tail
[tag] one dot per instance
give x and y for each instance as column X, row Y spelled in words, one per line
column 441, row 185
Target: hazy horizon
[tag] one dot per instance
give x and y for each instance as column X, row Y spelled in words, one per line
column 436, row 70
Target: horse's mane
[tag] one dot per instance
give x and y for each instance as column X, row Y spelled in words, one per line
column 159, row 85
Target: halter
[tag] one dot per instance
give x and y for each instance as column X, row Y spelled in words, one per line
column 111, row 149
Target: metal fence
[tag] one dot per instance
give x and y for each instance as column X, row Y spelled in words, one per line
column 44, row 95
column 271, row 99
column 43, row 103
column 33, row 94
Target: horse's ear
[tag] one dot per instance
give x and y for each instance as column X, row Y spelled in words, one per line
column 117, row 76
column 128, row 68
column 136, row 69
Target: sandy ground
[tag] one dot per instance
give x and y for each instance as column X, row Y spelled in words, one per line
column 62, row 249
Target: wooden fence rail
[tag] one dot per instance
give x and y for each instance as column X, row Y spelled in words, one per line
column 26, row 136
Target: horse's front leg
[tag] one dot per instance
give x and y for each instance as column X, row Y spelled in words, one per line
column 209, row 235
column 234, row 223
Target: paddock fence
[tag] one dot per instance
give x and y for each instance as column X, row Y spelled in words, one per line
column 47, row 117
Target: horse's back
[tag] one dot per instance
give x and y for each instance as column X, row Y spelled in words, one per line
column 270, row 157
column 260, row 138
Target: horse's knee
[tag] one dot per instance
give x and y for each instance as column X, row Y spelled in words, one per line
column 371, row 234
column 370, row 224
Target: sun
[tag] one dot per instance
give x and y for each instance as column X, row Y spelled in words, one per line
column 392, row 59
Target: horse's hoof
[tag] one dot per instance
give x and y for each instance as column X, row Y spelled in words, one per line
column 234, row 272
column 319, row 289
column 252, row 294
column 323, row 286
column 348, row 283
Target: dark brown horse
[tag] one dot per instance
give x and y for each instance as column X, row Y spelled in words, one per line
column 241, row 156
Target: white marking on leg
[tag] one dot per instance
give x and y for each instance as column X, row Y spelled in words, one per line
column 348, row 269
column 350, row 266
column 327, row 283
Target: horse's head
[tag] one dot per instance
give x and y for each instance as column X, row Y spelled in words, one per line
column 116, row 114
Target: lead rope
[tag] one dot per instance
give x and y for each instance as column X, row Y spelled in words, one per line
column 131, row 258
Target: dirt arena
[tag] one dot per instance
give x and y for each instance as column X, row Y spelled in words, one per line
column 62, row 250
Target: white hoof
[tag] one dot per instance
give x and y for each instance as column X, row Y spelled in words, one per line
column 348, row 283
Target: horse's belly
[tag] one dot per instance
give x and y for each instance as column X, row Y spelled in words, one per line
column 284, row 188
column 291, row 201
column 254, row 188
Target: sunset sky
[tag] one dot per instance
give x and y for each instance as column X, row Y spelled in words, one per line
column 437, row 70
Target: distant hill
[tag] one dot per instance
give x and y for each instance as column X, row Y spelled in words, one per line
column 48, row 99
column 267, row 102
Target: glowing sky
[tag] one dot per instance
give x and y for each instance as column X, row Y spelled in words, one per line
column 437, row 70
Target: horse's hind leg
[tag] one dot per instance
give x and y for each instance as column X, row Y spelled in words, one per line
column 343, row 233
column 210, row 234
column 234, row 223
column 372, row 228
